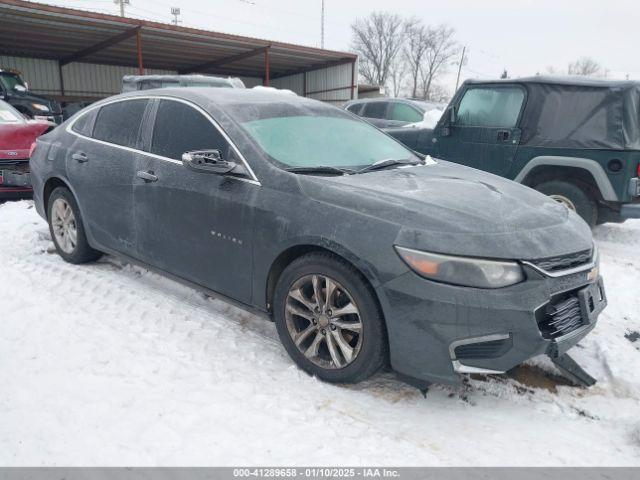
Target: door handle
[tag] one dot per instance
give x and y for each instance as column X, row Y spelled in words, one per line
column 147, row 176
column 503, row 135
column 80, row 157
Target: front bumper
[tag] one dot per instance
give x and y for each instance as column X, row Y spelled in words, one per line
column 437, row 331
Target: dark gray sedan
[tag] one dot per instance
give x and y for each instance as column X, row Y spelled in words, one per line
column 363, row 252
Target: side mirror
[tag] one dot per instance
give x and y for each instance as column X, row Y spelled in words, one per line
column 207, row 161
column 448, row 119
column 20, row 88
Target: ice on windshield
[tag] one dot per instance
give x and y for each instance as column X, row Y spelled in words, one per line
column 307, row 141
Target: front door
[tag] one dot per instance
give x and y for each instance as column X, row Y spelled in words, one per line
column 101, row 165
column 484, row 133
column 195, row 225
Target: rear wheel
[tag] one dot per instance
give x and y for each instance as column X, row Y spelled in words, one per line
column 328, row 319
column 67, row 230
column 573, row 197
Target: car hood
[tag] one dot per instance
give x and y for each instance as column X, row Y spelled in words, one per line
column 449, row 208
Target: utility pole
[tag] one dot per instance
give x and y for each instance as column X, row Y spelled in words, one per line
column 122, row 3
column 464, row 49
column 322, row 27
column 175, row 11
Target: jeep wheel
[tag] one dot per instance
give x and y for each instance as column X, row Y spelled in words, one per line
column 573, row 197
column 328, row 319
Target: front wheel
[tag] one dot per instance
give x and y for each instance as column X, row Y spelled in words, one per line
column 67, row 230
column 328, row 319
column 573, row 197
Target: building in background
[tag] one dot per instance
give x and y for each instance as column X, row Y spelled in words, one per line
column 80, row 56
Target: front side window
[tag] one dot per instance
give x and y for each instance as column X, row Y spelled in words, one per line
column 119, row 122
column 323, row 140
column 375, row 110
column 405, row 113
column 180, row 128
column 490, row 107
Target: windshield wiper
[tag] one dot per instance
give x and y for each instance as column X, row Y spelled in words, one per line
column 327, row 169
column 389, row 162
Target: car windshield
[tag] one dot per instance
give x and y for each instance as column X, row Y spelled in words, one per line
column 9, row 81
column 318, row 140
column 8, row 114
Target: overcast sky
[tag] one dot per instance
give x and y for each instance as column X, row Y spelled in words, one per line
column 523, row 36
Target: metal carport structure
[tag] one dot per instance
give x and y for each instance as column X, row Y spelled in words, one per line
column 68, row 54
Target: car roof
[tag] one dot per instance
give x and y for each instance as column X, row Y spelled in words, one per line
column 568, row 80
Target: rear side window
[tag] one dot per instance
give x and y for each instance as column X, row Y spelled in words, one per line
column 405, row 113
column 490, row 107
column 84, row 124
column 180, row 128
column 120, row 122
column 375, row 110
column 356, row 108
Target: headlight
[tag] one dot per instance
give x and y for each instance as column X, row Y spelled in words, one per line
column 41, row 107
column 466, row 271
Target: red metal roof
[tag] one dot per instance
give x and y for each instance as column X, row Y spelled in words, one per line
column 37, row 30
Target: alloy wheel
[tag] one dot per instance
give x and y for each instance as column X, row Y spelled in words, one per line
column 323, row 321
column 565, row 201
column 65, row 229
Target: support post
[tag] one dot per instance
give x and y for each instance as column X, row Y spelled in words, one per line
column 266, row 67
column 61, row 78
column 304, row 84
column 139, row 49
column 353, row 77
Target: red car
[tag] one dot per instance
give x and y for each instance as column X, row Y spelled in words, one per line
column 17, row 136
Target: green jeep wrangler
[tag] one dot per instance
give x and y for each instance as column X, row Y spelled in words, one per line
column 577, row 140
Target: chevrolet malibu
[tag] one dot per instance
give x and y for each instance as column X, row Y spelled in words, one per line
column 364, row 253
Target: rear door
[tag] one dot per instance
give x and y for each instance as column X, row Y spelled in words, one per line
column 195, row 225
column 376, row 113
column 101, row 165
column 484, row 133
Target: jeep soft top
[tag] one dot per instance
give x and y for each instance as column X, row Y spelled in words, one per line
column 576, row 139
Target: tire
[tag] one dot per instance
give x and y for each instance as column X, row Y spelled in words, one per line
column 349, row 288
column 78, row 251
column 574, row 197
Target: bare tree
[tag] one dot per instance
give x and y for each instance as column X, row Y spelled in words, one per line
column 418, row 41
column 377, row 39
column 585, row 67
column 397, row 74
column 442, row 48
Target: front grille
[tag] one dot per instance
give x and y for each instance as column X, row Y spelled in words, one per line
column 491, row 349
column 563, row 262
column 561, row 317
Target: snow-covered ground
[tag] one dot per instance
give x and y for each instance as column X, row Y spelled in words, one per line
column 108, row 364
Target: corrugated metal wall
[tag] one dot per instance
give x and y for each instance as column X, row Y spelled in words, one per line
column 295, row 83
column 331, row 84
column 80, row 79
column 42, row 75
column 99, row 80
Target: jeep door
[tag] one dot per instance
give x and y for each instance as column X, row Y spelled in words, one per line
column 101, row 165
column 484, row 132
column 192, row 224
